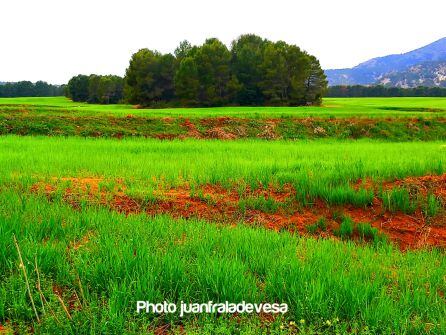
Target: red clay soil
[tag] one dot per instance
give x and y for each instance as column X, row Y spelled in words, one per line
column 191, row 129
column 217, row 204
column 424, row 185
column 227, row 128
column 220, row 133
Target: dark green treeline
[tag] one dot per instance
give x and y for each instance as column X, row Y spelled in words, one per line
column 384, row 91
column 252, row 72
column 29, row 89
column 96, row 89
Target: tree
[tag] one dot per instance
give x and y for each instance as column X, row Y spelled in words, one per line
column 105, row 89
column 316, row 82
column 183, row 50
column 218, row 86
column 254, row 72
column 247, row 59
column 149, row 78
column 187, row 82
column 384, row 91
column 42, row 89
column 298, row 63
column 94, row 82
column 275, row 74
column 28, row 89
column 25, row 88
column 78, row 88
column 291, row 76
column 96, row 89
column 110, row 89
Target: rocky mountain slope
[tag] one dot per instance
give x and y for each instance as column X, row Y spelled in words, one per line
column 425, row 74
column 423, row 66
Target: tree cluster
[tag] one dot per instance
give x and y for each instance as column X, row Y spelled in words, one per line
column 254, row 71
column 29, row 89
column 96, row 89
column 383, row 91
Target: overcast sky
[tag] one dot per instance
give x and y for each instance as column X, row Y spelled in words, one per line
column 53, row 40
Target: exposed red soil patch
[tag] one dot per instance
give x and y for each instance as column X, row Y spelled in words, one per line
column 269, row 130
column 431, row 184
column 218, row 204
column 224, row 128
column 220, row 133
column 426, row 184
column 191, row 129
column 221, row 128
column 85, row 184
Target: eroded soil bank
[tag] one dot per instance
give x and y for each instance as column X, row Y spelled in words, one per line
column 25, row 122
column 271, row 207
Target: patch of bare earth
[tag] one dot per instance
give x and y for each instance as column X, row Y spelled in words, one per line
column 191, row 129
column 222, row 128
column 424, row 185
column 220, row 133
column 218, row 204
column 269, row 130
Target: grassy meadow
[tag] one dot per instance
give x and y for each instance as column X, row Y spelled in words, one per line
column 331, row 107
column 74, row 262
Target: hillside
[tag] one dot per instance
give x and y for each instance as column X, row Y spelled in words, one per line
column 425, row 74
column 395, row 68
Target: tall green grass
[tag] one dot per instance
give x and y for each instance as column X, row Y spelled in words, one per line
column 400, row 199
column 109, row 261
column 125, row 259
column 323, row 169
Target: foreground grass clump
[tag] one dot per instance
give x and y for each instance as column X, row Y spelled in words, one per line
column 99, row 263
column 346, row 228
column 364, row 230
column 321, row 225
column 401, row 199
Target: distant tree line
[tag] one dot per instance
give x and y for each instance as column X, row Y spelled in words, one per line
column 383, row 91
column 96, row 89
column 254, row 71
column 29, row 89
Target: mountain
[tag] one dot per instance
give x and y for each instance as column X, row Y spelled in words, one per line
column 378, row 69
column 428, row 74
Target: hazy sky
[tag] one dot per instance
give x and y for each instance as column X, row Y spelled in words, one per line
column 53, row 40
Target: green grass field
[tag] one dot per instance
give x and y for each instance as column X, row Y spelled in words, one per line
column 348, row 230
column 337, row 107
